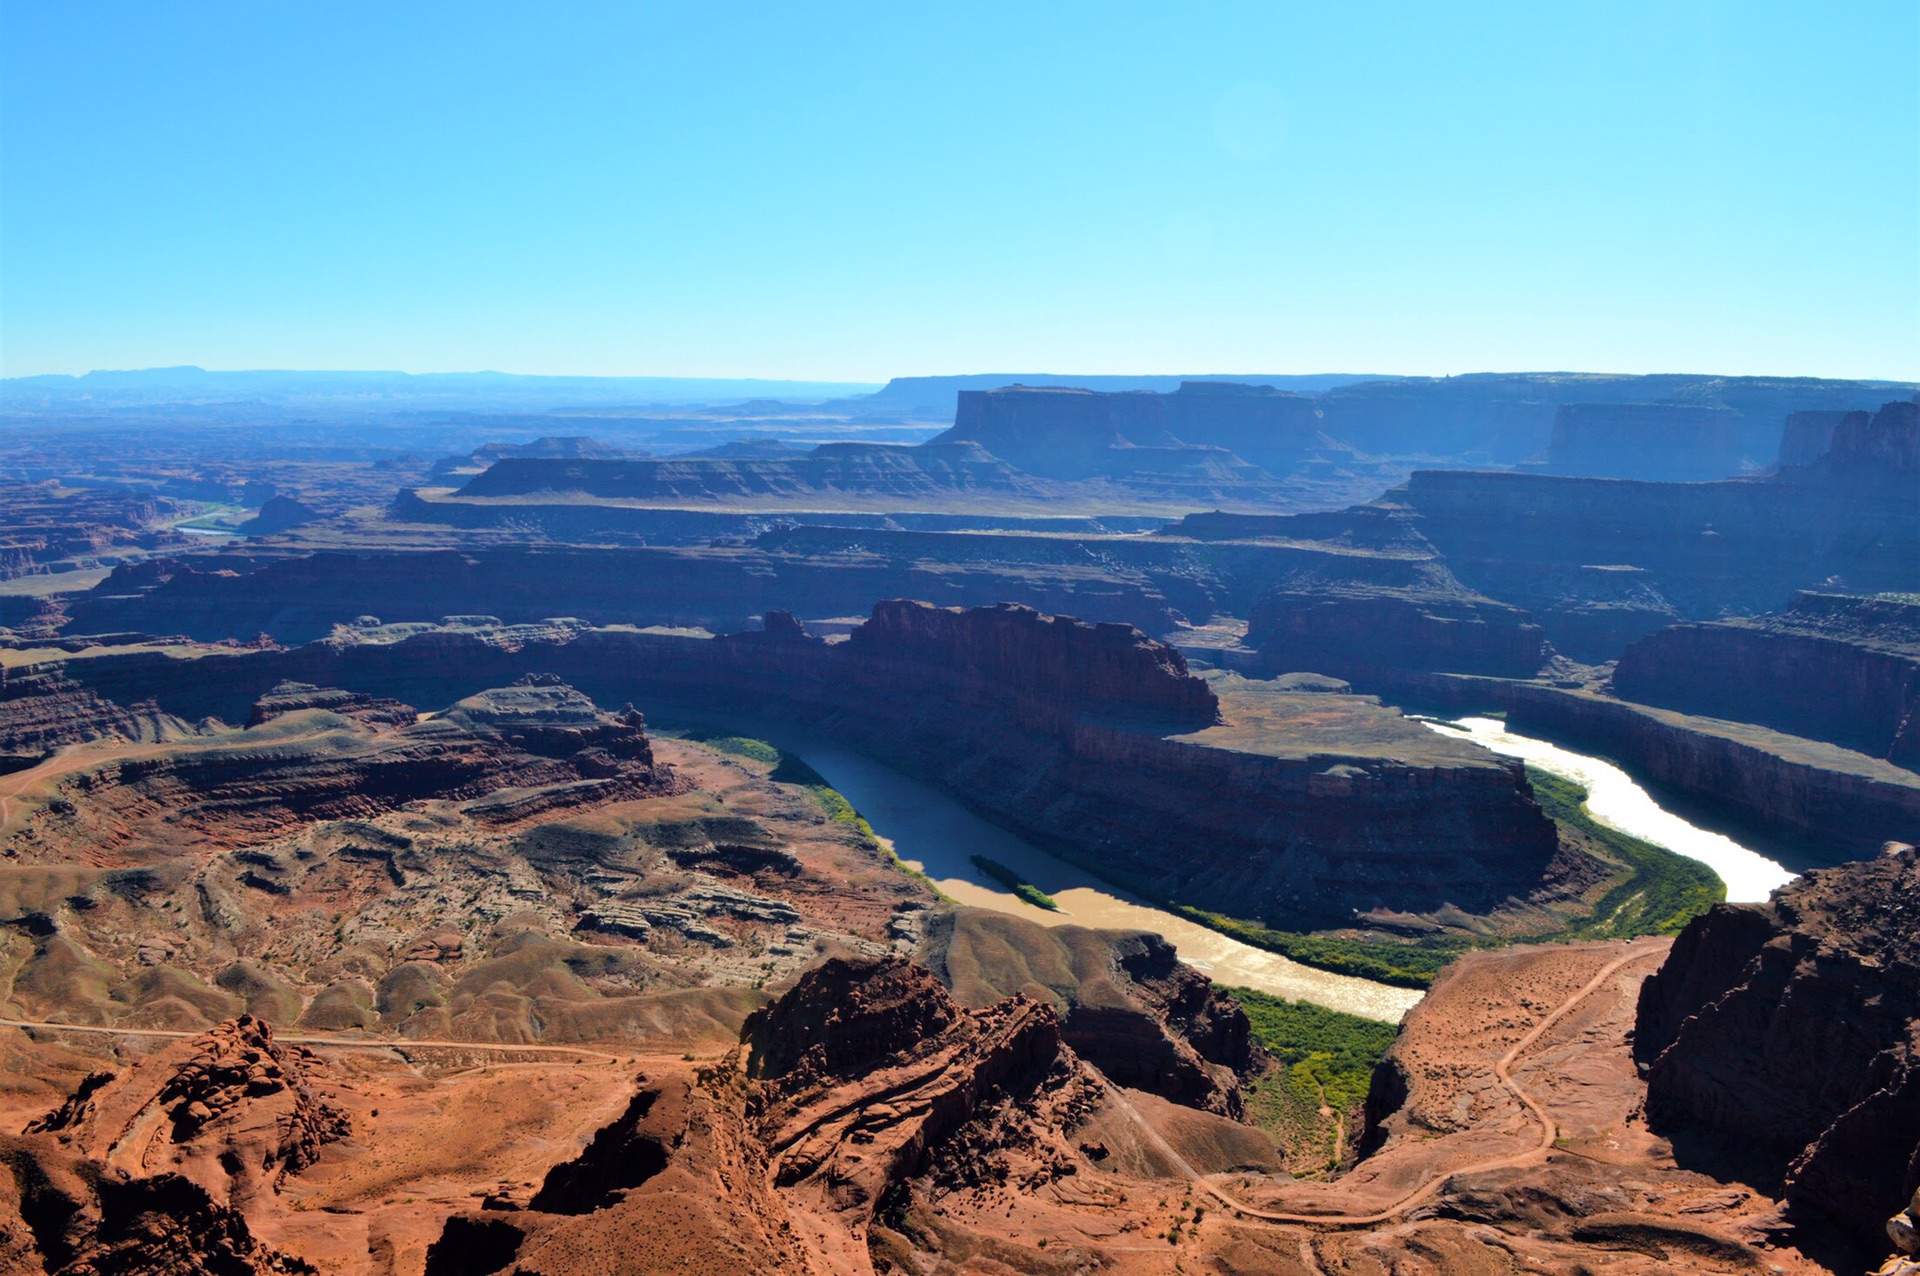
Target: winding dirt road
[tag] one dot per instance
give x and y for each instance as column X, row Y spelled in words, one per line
column 1503, row 1070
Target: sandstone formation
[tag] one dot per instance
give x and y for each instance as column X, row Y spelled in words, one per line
column 1780, row 1039
column 233, row 1110
column 64, row 1215
column 863, row 1078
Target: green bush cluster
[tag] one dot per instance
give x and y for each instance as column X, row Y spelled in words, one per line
column 1664, row 891
column 1012, row 880
column 1327, row 1054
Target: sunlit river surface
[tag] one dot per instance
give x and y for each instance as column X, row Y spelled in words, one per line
column 1615, row 800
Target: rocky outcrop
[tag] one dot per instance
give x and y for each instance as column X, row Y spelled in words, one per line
column 846, row 1017
column 1830, row 667
column 1882, row 450
column 236, row 1110
column 149, row 1170
column 862, row 1078
column 886, row 1029
column 1127, row 1005
column 66, row 1215
column 1786, row 1039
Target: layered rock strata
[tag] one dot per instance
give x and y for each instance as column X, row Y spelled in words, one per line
column 1830, row 667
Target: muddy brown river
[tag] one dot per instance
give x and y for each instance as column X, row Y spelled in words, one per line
column 937, row 835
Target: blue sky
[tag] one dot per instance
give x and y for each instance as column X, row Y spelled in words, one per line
column 853, row 192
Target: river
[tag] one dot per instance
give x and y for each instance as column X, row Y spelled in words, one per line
column 937, row 835
column 1616, row 800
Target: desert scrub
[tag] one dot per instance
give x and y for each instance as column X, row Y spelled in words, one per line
column 1662, row 892
column 1321, row 1057
column 1008, row 878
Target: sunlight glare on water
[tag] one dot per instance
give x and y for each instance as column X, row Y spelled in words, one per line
column 1617, row 801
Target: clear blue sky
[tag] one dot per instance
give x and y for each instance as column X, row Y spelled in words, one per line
column 853, row 192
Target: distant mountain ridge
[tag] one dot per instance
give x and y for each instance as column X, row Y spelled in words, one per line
column 386, row 391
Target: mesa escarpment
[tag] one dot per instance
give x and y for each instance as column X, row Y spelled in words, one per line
column 831, row 469
column 1831, row 667
column 1365, row 633
column 1667, row 442
column 1781, row 1039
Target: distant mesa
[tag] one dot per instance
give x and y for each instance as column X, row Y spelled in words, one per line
column 279, row 514
column 1071, row 433
column 1666, row 442
column 572, row 447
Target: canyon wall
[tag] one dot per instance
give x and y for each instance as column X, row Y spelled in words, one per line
column 1807, row 437
column 1831, row 667
column 1781, row 1039
column 1666, row 442
column 1834, row 801
column 298, row 599
column 854, row 469
column 1066, row 433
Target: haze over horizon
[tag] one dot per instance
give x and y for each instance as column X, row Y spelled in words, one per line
column 877, row 192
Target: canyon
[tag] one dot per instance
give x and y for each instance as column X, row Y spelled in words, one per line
column 414, row 864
